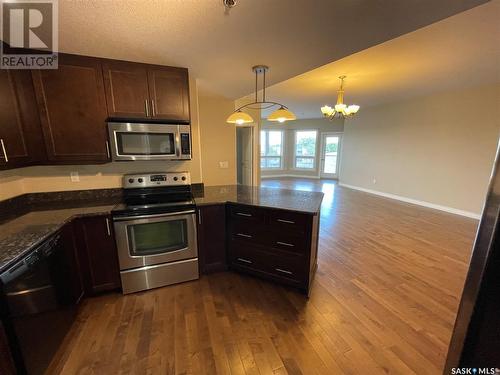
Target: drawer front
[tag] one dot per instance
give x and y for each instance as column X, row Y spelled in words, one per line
column 246, row 232
column 286, row 221
column 246, row 213
column 291, row 268
column 286, row 241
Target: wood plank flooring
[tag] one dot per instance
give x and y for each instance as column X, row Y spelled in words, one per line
column 384, row 301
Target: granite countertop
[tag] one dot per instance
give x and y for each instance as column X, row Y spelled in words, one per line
column 33, row 219
column 294, row 200
column 20, row 235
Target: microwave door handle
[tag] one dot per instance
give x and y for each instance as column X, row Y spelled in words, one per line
column 178, row 144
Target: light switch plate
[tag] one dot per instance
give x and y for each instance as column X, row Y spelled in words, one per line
column 224, row 164
column 75, row 177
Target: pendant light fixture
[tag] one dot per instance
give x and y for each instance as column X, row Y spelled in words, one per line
column 340, row 110
column 282, row 114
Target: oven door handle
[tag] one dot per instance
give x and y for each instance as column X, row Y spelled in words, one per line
column 179, row 213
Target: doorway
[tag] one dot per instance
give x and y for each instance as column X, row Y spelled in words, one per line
column 330, row 155
column 244, row 155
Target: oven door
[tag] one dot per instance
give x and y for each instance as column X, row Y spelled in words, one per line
column 154, row 239
column 130, row 141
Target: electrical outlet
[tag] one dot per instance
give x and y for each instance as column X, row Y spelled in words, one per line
column 75, row 177
column 224, row 164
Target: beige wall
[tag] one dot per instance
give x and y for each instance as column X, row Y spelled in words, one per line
column 289, row 128
column 437, row 149
column 218, row 140
column 218, row 145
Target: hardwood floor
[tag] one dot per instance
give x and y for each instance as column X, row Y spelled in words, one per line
column 384, row 301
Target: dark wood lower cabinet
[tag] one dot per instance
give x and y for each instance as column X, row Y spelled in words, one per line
column 69, row 267
column 212, row 238
column 97, row 254
column 275, row 244
column 7, row 366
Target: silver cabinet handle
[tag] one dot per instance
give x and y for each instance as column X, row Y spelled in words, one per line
column 107, row 150
column 146, row 107
column 242, row 214
column 284, row 271
column 244, row 260
column 285, row 244
column 108, row 228
column 4, row 151
column 286, row 221
column 244, row 235
column 153, row 107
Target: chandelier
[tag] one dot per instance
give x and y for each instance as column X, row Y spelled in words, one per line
column 340, row 110
column 282, row 114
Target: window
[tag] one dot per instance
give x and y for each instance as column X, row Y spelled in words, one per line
column 305, row 149
column 271, row 149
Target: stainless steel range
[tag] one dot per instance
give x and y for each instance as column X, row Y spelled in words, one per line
column 156, row 231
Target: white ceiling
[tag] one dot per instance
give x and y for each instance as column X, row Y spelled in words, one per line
column 460, row 51
column 220, row 47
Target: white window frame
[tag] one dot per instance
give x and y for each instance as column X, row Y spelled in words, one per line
column 281, row 156
column 295, row 156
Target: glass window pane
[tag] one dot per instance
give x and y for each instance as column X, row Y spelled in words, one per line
column 154, row 238
column 305, row 163
column 263, row 142
column 274, row 148
column 270, row 162
column 331, row 149
column 305, row 143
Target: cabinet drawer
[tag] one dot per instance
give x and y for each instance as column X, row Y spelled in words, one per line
column 287, row 221
column 246, row 214
column 292, row 268
column 287, row 242
column 242, row 231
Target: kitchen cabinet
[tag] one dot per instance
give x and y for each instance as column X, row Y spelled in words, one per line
column 212, row 238
column 7, row 366
column 97, row 254
column 147, row 92
column 73, row 112
column 69, row 268
column 276, row 244
column 21, row 141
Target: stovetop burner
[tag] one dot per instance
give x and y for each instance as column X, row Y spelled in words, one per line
column 155, row 193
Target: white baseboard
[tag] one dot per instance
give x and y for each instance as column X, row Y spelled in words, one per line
column 289, row 175
column 439, row 207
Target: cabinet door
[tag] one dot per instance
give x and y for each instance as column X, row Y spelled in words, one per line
column 126, row 87
column 98, row 255
column 20, row 132
column 73, row 110
column 7, row 366
column 212, row 238
column 70, row 267
column 169, row 93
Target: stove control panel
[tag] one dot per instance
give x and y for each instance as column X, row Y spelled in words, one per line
column 160, row 179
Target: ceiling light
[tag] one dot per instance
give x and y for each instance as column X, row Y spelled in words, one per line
column 340, row 110
column 282, row 114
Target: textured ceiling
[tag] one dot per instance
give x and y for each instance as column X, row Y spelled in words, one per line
column 220, row 47
column 458, row 52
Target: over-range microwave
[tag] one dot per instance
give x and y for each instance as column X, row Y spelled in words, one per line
column 135, row 141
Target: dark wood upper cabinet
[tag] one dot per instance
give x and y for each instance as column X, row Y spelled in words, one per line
column 169, row 93
column 98, row 257
column 73, row 113
column 21, row 141
column 126, row 86
column 212, row 238
column 135, row 90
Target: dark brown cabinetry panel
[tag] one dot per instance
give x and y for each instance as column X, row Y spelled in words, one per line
column 97, row 254
column 212, row 238
column 70, row 266
column 21, row 141
column 126, row 86
column 73, row 112
column 7, row 366
column 275, row 244
column 169, row 93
